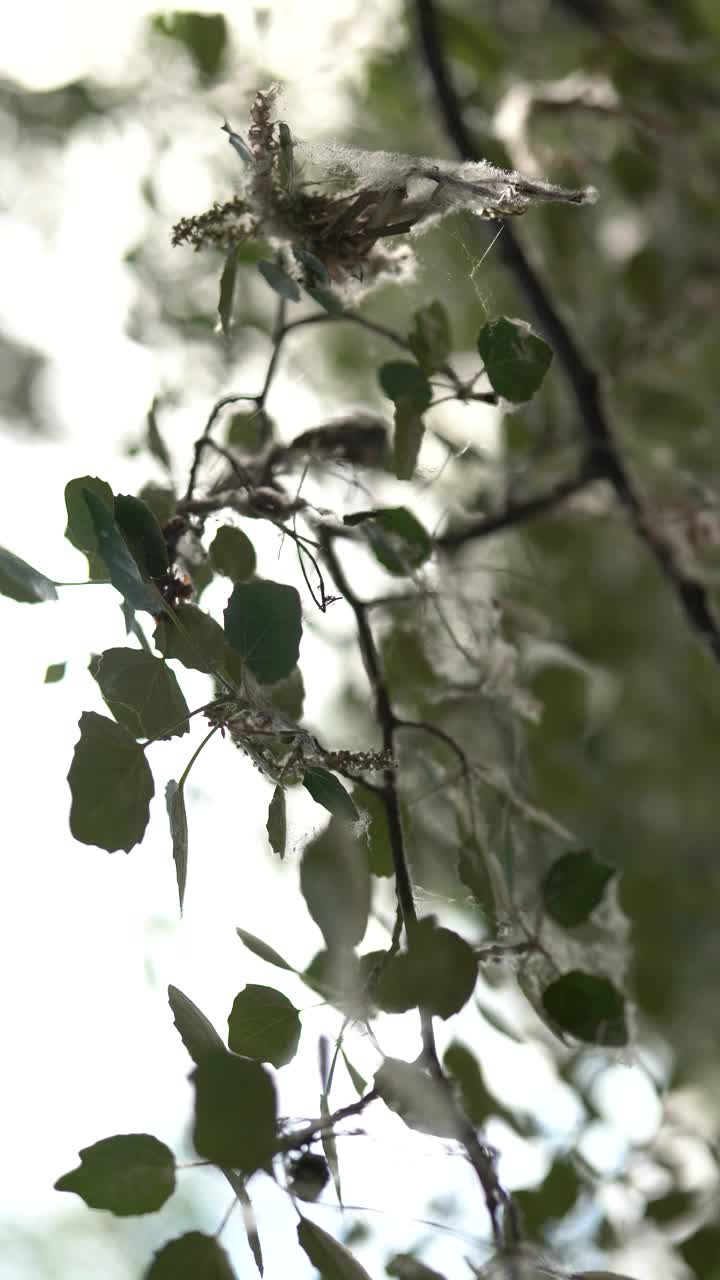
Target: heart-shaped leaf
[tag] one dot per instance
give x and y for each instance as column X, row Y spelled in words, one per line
column 264, row 1025
column 587, row 1007
column 263, row 622
column 142, row 693
column 233, row 554
column 192, row 637
column 574, row 886
column 193, row 1256
column 438, row 972
column 419, row 1100
column 331, row 794
column 235, row 1112
column 111, row 786
column 335, row 884
column 516, row 359
column 131, row 1173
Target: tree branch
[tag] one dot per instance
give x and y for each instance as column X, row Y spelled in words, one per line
column 602, row 445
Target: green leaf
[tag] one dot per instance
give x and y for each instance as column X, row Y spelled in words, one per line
column 204, row 36
column 403, row 382
column 478, row 1103
column 279, row 280
column 587, row 1007
column 438, row 972
column 122, row 569
column 405, row 1267
column 111, row 786
column 308, row 1176
column 263, row 622
column 131, row 1173
column 80, row 530
column 329, row 1146
column 551, row 1200
column 143, row 535
column 574, row 886
column 193, row 1256
column 249, row 432
column 192, row 637
column 285, row 160
column 332, row 1259
column 276, row 825
column 372, row 811
column 429, row 338
column 155, row 442
column 420, row 1101
column 359, row 1082
column 516, row 359
column 409, row 432
column 331, row 794
column 195, row 1030
column 337, row 976
column 233, row 554
column 227, row 292
column 21, row 582
column 288, row 696
column 235, row 1112
column 161, row 500
column 264, row 1025
column 263, row 951
column 335, row 883
column 398, row 540
column 175, row 804
column 142, row 693
column 55, row 672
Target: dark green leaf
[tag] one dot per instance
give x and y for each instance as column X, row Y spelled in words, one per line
column 359, row 1083
column 549, row 1202
column 175, row 803
column 419, row 1100
column 405, row 1267
column 21, row 582
column 195, row 1030
column 227, row 292
column 335, row 884
column 131, row 1173
column 204, row 36
column 588, row 1008
column 261, row 949
column 331, row 794
column 403, row 382
column 398, row 539
column 285, row 162
column 309, row 1176
column 438, row 972
column 122, row 569
column 250, row 432
column 233, row 554
column 161, row 500
column 235, row 1112
column 55, row 672
column 516, row 359
column 80, row 530
column 377, row 834
column 263, row 622
column 331, row 1258
column 329, row 1146
column 276, row 825
column 430, row 337
column 478, row 1102
column 111, row 786
column 192, row 637
column 264, row 1025
column 574, row 886
column 279, row 280
column 155, row 442
column 409, row 432
column 142, row 693
column 143, row 534
column 191, row 1257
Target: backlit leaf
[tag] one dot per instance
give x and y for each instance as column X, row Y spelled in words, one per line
column 279, row 280
column 262, row 950
column 335, row 884
column 80, row 529
column 55, row 672
column 141, row 692
column 430, row 337
column 516, row 359
column 398, row 540
column 332, row 1259
column 264, row 1025
column 587, row 1007
column 122, row 569
column 263, row 622
column 403, row 381
column 377, row 835
column 235, row 1112
column 276, row 825
column 227, row 292
column 420, row 1101
column 574, row 886
column 195, row 1030
column 193, row 1256
column 331, row 794
column 233, row 554
column 21, row 582
column 192, row 637
column 438, row 972
column 204, row 36
column 142, row 533
column 131, row 1173
column 175, row 804
column 111, row 786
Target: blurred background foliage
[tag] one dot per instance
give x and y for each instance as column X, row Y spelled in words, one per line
column 624, row 94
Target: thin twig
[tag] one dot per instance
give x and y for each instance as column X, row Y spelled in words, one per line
column 325, row 1124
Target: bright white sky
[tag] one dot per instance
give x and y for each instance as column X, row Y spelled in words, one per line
column 89, row 941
